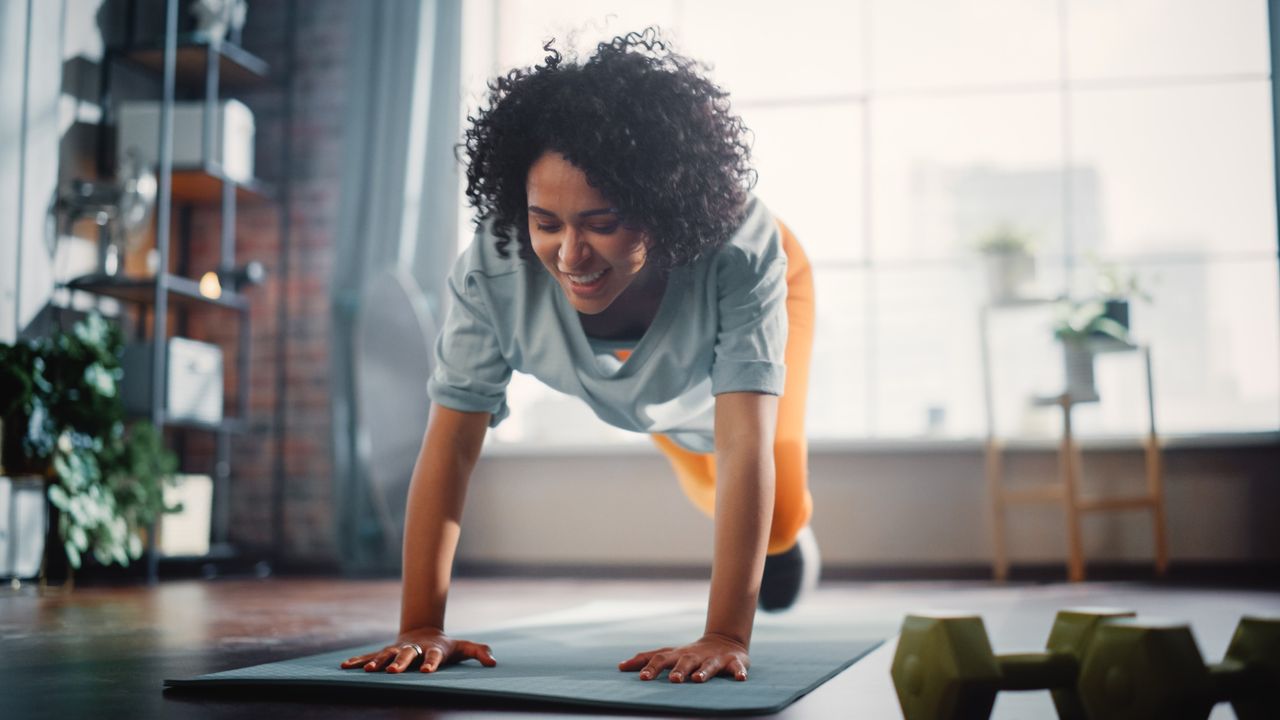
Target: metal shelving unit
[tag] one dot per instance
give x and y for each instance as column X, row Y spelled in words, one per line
column 201, row 69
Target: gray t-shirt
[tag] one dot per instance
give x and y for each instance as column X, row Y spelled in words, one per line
column 721, row 327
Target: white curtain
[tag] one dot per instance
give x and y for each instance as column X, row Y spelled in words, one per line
column 398, row 206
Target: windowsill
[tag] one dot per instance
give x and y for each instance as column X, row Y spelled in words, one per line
column 820, row 447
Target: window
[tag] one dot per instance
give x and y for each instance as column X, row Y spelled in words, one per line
column 1136, row 133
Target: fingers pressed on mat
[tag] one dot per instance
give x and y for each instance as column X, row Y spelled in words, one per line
column 380, row 660
column 639, row 660
column 708, row 670
column 432, row 660
column 655, row 666
column 403, row 657
column 738, row 669
column 356, row 661
column 480, row 652
column 686, row 664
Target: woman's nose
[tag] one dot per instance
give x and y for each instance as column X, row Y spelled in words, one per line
column 573, row 250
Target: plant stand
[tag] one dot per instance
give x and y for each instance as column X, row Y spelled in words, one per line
column 1066, row 490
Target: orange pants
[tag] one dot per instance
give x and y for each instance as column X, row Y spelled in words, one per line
column 793, row 505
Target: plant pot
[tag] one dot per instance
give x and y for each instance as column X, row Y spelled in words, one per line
column 1077, row 362
column 23, row 513
column 1008, row 274
column 1117, row 309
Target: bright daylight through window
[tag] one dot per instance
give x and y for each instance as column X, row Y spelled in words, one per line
column 1127, row 142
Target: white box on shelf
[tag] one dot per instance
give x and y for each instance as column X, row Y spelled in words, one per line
column 24, row 515
column 138, row 126
column 193, row 387
column 186, row 532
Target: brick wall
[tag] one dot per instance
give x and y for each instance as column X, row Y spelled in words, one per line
column 315, row 133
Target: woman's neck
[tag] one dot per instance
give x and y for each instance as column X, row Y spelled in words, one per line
column 628, row 317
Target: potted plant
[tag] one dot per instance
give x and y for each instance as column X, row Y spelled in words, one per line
column 1078, row 325
column 1117, row 285
column 64, row 420
column 1008, row 261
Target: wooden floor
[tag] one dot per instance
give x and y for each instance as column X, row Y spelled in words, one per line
column 104, row 652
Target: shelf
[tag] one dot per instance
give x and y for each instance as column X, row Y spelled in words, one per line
column 183, row 291
column 204, row 185
column 1025, row 301
column 1099, row 344
column 237, row 68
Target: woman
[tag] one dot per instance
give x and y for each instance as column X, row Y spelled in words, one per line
column 648, row 282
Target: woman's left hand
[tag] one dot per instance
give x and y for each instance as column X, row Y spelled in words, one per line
column 700, row 661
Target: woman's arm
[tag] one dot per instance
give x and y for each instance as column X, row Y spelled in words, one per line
column 744, row 509
column 745, row 424
column 433, row 518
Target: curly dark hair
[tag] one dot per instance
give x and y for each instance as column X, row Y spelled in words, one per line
column 644, row 124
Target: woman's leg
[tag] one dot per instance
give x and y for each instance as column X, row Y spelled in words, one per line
column 793, row 505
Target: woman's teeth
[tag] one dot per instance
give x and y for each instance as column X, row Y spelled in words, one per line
column 586, row 279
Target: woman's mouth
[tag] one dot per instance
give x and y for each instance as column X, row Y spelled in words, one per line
column 587, row 284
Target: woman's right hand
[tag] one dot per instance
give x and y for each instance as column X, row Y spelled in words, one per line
column 438, row 650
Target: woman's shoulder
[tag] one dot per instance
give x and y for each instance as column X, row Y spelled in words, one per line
column 756, row 242
column 485, row 260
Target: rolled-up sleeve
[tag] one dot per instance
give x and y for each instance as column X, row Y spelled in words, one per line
column 752, row 334
column 471, row 375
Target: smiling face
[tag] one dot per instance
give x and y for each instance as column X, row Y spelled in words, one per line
column 580, row 238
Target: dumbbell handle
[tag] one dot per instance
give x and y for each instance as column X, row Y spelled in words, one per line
column 1233, row 679
column 1037, row 671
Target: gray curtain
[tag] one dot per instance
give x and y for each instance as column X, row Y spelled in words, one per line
column 398, row 209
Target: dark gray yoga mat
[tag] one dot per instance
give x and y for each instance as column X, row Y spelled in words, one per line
column 576, row 664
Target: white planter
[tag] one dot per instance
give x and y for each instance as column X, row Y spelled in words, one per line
column 1008, row 275
column 24, row 514
column 1077, row 363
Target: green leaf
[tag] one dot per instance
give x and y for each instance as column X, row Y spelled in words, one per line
column 79, row 510
column 135, row 546
column 58, row 496
column 100, row 380
column 78, row 537
column 38, row 377
column 62, row 466
column 120, row 554
column 73, row 555
column 1107, row 326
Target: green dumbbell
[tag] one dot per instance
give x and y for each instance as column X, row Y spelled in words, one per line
column 945, row 668
column 1154, row 670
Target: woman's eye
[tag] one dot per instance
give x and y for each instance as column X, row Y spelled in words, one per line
column 548, row 228
column 604, row 229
